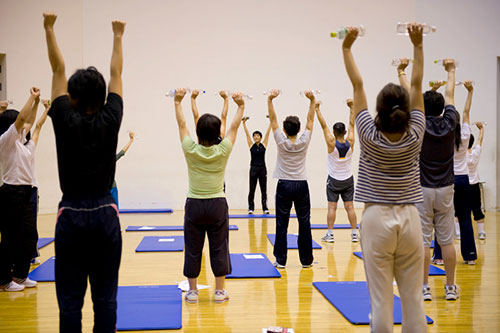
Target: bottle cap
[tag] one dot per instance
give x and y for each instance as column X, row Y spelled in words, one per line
column 333, row 34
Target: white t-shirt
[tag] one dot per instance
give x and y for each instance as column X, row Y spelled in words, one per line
column 17, row 158
column 472, row 162
column 460, row 157
column 291, row 161
column 339, row 161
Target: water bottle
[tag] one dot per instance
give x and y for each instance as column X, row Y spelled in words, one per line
column 433, row 83
column 397, row 61
column 267, row 93
column 461, row 83
column 402, row 29
column 342, row 32
column 315, row 92
column 171, row 93
column 440, row 62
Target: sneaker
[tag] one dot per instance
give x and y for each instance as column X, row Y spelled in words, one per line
column 438, row 262
column 277, row 265
column 250, row 212
column 221, row 296
column 266, row 211
column 470, row 262
column 35, row 261
column 482, row 235
column 25, row 282
column 355, row 238
column 191, row 296
column 307, row 266
column 426, row 290
column 11, row 286
column 457, row 236
column 328, row 238
column 451, row 292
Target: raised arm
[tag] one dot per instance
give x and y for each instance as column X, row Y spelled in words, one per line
column 403, row 80
column 3, row 106
column 273, row 120
column 131, row 136
column 449, row 94
column 59, row 82
column 312, row 108
column 179, row 114
column 437, row 84
column 481, row 133
column 249, row 138
column 223, row 115
column 350, row 133
column 233, row 130
column 24, row 115
column 41, row 121
column 417, row 72
column 32, row 116
column 116, row 67
column 359, row 96
column 468, row 101
column 266, row 136
column 330, row 140
column 194, row 107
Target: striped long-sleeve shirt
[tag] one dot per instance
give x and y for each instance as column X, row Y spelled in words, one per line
column 389, row 172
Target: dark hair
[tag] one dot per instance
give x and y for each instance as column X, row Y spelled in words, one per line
column 393, row 114
column 458, row 132
column 339, row 129
column 258, row 133
column 7, row 118
column 291, row 125
column 208, row 129
column 471, row 141
column 88, row 88
column 433, row 103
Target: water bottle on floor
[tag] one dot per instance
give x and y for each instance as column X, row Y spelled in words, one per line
column 342, row 32
column 402, row 29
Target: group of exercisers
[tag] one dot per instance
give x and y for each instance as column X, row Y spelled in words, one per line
column 413, row 164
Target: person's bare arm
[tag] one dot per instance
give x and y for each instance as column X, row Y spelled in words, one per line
column 233, row 130
column 194, row 107
column 179, row 114
column 330, row 140
column 266, row 137
column 131, row 136
column 273, row 120
column 359, row 96
column 449, row 94
column 417, row 72
column 403, row 80
column 312, row 107
column 350, row 133
column 481, row 133
column 24, row 114
column 223, row 115
column 59, row 82
column 32, row 116
column 468, row 101
column 116, row 67
column 437, row 84
column 249, row 139
column 41, row 121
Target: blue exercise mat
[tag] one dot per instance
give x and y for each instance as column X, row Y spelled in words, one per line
column 291, row 241
column 335, row 226
column 252, row 265
column 433, row 270
column 257, row 216
column 44, row 242
column 45, row 272
column 165, row 227
column 161, row 244
column 149, row 308
column 145, row 211
column 352, row 300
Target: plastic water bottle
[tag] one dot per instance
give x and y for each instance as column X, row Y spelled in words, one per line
column 267, row 93
column 171, row 93
column 397, row 61
column 433, row 83
column 440, row 62
column 342, row 32
column 461, row 83
column 402, row 29
column 315, row 92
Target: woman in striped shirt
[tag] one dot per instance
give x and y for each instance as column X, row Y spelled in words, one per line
column 389, row 185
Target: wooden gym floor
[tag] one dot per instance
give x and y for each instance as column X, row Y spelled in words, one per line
column 291, row 301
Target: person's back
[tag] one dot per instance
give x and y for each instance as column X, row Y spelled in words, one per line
column 291, row 161
column 340, row 161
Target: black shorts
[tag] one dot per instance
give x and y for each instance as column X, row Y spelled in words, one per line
column 345, row 188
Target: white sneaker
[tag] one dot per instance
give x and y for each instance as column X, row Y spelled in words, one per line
column 470, row 262
column 307, row 266
column 35, row 261
column 328, row 238
column 250, row 212
column 451, row 292
column 266, row 212
column 25, row 282
column 277, row 265
column 355, row 238
column 221, row 296
column 426, row 290
column 11, row 286
column 191, row 296
column 482, row 235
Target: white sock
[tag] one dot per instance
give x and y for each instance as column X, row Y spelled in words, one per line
column 457, row 228
column 330, row 232
column 480, row 226
column 354, row 232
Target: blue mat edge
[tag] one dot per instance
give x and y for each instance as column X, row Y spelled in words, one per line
column 259, row 277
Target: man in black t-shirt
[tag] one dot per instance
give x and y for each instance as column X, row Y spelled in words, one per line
column 86, row 130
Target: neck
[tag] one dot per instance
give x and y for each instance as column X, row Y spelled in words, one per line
column 341, row 140
column 393, row 137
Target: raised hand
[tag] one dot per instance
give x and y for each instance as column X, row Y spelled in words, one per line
column 479, row 124
column 468, row 85
column 403, row 63
column 415, row 32
column 49, row 19
column 4, row 105
column 131, row 135
column 35, row 92
column 179, row 94
column 195, row 94
column 238, row 99
column 309, row 94
column 245, row 119
column 349, row 102
column 46, row 103
column 118, row 28
column 352, row 34
column 273, row 94
column 223, row 94
column 449, row 64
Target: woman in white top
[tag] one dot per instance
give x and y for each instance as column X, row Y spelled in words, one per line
column 473, row 155
column 17, row 225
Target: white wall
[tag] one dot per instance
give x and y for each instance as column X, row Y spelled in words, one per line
column 238, row 45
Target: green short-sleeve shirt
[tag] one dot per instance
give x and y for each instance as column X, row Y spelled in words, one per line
column 206, row 168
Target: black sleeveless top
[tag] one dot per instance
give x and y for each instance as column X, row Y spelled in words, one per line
column 258, row 153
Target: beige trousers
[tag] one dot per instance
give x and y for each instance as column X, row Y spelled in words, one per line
column 391, row 240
